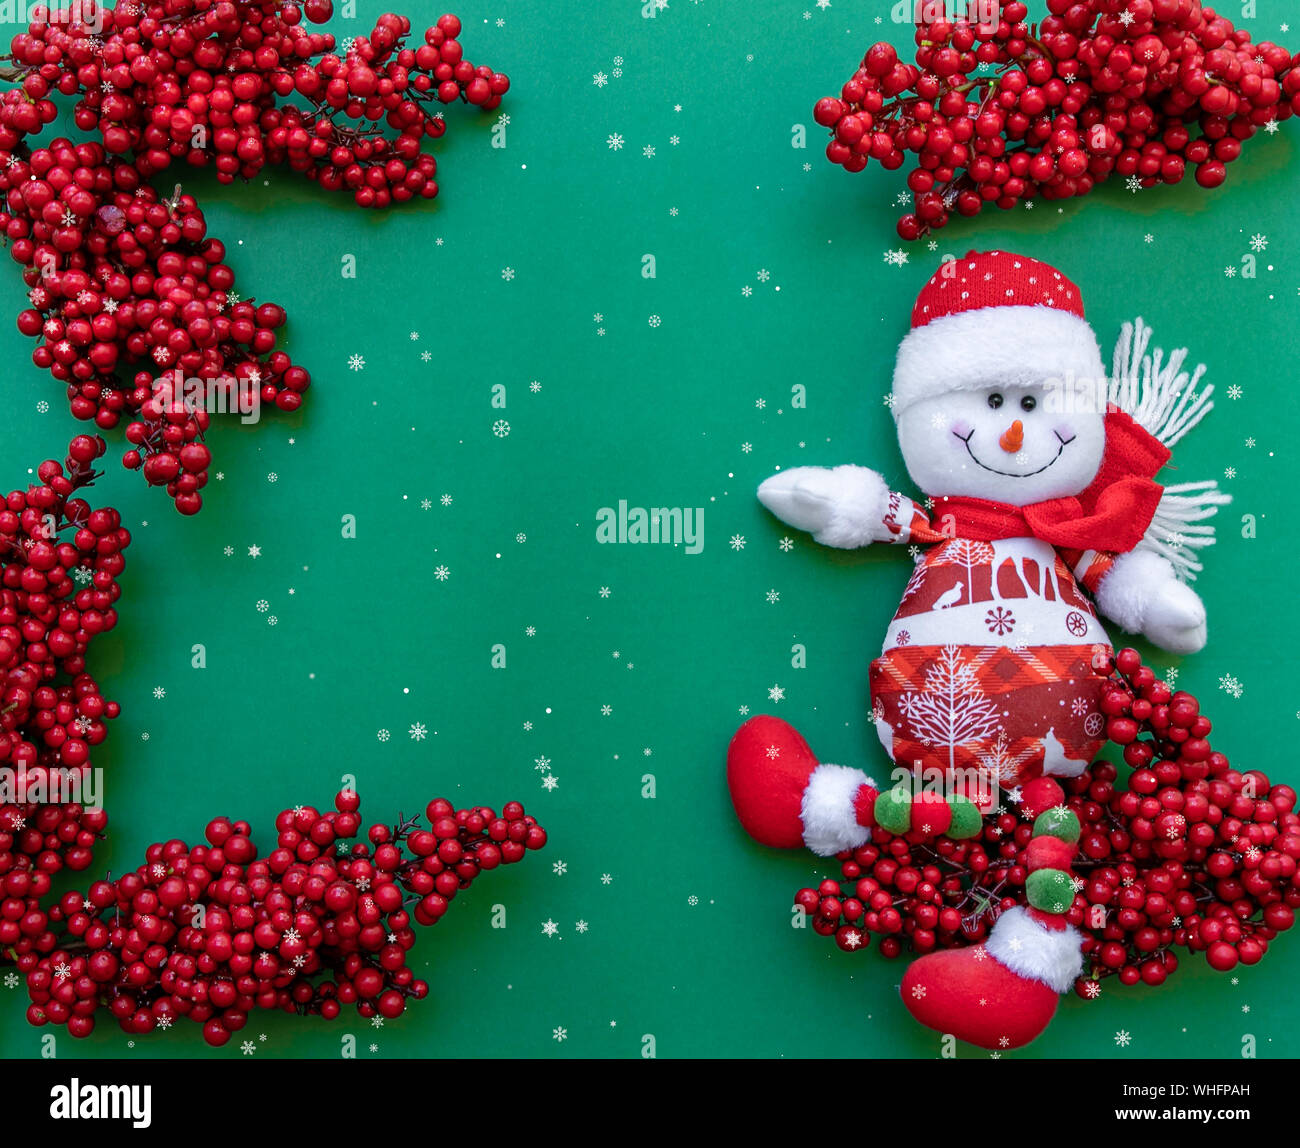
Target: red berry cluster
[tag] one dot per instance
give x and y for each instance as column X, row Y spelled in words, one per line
column 132, row 302
column 1190, row 853
column 203, row 82
column 1002, row 111
column 58, row 588
column 130, row 299
column 210, row 932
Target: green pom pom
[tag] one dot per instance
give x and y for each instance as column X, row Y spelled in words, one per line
column 1050, row 890
column 1058, row 822
column 967, row 821
column 894, row 810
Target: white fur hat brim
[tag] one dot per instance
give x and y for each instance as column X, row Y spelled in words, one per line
column 994, row 346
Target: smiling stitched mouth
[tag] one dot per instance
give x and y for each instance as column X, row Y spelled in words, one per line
column 1012, row 474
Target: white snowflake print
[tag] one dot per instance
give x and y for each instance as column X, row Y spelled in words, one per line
column 560, row 1034
column 773, row 596
column 918, row 991
column 550, row 928
column 1258, row 242
column 599, row 79
column 441, row 573
column 159, row 692
column 1230, row 685
column 1000, row 621
column 560, row 868
column 614, row 142
column 1122, row 1038
column 737, row 542
column 356, row 363
column 786, row 544
column 655, row 321
column 418, row 731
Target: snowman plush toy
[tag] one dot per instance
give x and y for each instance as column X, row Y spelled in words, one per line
column 1041, row 512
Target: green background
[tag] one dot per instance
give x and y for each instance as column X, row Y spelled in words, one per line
column 689, row 940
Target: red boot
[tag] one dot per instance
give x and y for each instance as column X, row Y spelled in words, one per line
column 1003, row 993
column 785, row 798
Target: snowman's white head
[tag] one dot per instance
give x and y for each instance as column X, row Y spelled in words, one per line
column 1012, row 443
column 999, row 390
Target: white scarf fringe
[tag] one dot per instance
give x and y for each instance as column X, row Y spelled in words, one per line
column 1162, row 398
column 1159, row 395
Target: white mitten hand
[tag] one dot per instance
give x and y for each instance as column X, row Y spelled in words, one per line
column 842, row 507
column 1175, row 618
column 1142, row 593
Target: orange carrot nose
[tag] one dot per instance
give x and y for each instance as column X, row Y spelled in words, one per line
column 1013, row 437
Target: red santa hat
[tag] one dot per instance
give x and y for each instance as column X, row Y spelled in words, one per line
column 993, row 318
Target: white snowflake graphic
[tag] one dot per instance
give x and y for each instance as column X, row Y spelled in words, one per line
column 1230, row 685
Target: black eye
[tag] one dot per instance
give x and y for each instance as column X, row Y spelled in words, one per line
column 995, row 400
column 1028, row 403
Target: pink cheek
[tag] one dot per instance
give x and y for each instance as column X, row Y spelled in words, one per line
column 960, row 430
column 1064, row 431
